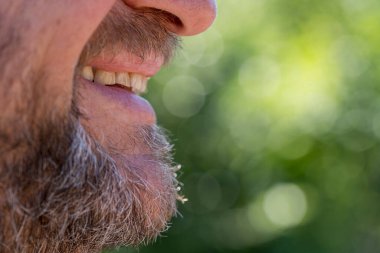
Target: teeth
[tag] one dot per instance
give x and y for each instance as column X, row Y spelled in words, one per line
column 137, row 82
column 87, row 73
column 104, row 77
column 123, row 79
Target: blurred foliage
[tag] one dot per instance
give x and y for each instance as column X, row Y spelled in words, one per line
column 275, row 113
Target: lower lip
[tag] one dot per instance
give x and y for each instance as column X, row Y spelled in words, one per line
column 115, row 103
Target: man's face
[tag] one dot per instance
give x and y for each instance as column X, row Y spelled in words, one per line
column 83, row 165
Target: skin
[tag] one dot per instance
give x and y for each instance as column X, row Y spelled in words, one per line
column 84, row 166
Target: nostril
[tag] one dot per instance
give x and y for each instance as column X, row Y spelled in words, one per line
column 187, row 17
column 173, row 22
column 172, row 19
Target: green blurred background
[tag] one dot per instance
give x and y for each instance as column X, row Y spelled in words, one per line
column 275, row 114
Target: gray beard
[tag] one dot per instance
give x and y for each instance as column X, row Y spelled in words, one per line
column 66, row 194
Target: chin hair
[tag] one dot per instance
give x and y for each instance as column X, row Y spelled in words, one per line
column 66, row 194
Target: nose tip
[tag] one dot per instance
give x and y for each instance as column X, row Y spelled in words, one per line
column 195, row 15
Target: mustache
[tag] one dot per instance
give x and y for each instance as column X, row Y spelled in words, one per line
column 141, row 32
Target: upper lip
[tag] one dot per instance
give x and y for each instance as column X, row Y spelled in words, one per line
column 126, row 62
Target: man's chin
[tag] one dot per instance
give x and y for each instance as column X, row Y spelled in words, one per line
column 73, row 194
column 155, row 184
column 140, row 194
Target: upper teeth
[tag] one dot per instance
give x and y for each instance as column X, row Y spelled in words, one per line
column 137, row 82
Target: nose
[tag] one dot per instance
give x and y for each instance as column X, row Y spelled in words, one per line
column 194, row 16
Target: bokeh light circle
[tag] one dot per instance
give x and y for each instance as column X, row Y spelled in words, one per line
column 203, row 50
column 285, row 205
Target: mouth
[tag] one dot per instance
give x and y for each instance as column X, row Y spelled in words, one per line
column 113, row 84
column 125, row 70
column 115, row 65
column 134, row 82
column 127, row 49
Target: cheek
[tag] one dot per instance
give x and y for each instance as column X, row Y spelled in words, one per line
column 59, row 32
column 73, row 23
column 43, row 41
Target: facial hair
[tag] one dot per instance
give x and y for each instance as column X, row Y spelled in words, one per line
column 60, row 190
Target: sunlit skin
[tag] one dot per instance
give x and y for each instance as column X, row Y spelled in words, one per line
column 52, row 115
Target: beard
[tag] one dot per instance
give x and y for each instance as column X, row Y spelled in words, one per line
column 61, row 191
column 68, row 195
